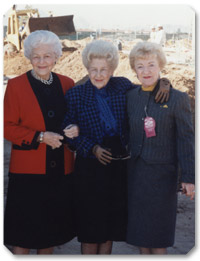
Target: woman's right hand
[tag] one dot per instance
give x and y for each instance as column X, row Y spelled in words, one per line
column 104, row 156
column 188, row 189
column 52, row 139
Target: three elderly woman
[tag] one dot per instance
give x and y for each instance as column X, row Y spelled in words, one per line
column 96, row 128
column 38, row 211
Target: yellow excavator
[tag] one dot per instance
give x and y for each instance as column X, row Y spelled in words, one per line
column 22, row 22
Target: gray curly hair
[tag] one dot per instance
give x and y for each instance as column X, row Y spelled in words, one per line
column 40, row 37
column 103, row 50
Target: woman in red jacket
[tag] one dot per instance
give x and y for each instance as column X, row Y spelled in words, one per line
column 38, row 211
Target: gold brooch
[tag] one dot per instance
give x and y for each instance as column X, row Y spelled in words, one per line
column 164, row 106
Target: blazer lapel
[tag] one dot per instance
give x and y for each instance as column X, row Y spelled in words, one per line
column 88, row 93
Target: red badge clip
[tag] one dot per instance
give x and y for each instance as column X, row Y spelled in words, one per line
column 149, row 127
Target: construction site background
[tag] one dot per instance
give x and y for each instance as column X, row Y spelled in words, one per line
column 180, row 70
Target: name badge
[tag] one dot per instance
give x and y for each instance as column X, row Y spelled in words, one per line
column 149, row 127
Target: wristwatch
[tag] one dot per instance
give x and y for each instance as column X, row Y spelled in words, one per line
column 41, row 137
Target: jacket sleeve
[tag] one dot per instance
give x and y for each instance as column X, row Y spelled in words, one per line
column 81, row 144
column 185, row 139
column 21, row 136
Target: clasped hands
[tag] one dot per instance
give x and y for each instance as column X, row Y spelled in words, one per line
column 71, row 131
column 55, row 140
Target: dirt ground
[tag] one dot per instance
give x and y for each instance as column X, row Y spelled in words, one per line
column 179, row 70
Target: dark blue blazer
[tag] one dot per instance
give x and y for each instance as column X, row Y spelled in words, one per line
column 82, row 110
column 174, row 140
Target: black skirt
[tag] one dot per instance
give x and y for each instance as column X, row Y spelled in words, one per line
column 101, row 200
column 152, row 203
column 39, row 211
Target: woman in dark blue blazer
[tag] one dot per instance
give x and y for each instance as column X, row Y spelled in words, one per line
column 161, row 139
column 98, row 107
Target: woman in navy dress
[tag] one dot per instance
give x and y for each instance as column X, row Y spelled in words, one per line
column 161, row 139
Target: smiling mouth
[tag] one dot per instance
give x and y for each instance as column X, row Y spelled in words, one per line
column 147, row 77
column 44, row 67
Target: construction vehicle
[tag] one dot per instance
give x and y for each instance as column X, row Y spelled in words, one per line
column 22, row 22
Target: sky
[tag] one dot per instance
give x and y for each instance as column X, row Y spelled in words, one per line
column 121, row 16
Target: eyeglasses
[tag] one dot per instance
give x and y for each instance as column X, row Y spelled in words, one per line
column 95, row 71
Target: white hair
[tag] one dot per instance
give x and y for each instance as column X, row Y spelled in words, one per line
column 103, row 50
column 41, row 37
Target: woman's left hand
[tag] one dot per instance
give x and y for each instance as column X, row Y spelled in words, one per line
column 163, row 92
column 71, row 131
column 189, row 189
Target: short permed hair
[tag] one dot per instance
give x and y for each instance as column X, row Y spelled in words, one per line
column 143, row 50
column 101, row 49
column 40, row 37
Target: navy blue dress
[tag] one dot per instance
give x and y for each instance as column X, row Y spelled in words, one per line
column 101, row 191
column 153, row 167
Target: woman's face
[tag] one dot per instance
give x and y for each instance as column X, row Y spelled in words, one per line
column 43, row 60
column 147, row 70
column 99, row 72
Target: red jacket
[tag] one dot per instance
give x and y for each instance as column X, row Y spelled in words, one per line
column 22, row 119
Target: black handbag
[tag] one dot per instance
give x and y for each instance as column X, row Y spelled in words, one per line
column 114, row 145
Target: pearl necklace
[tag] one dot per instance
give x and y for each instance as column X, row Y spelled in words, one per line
column 48, row 82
